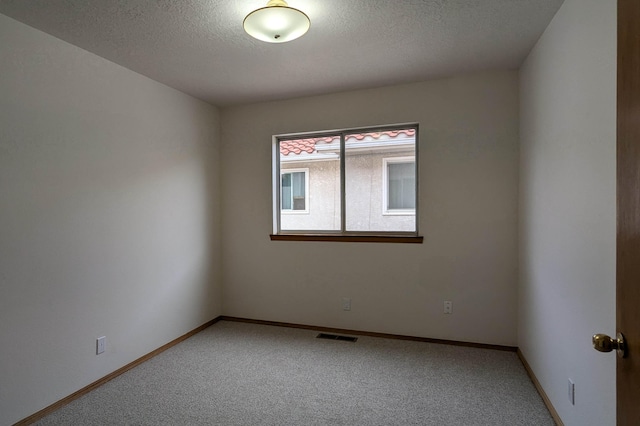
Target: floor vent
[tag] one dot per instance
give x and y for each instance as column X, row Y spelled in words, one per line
column 336, row 337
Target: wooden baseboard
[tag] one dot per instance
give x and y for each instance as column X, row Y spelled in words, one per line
column 64, row 401
column 536, row 383
column 372, row 334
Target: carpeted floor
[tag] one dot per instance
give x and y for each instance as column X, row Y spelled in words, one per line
column 245, row 374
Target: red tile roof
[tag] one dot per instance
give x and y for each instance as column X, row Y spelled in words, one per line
column 390, row 133
column 299, row 146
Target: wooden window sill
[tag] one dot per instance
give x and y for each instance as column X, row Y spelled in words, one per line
column 403, row 239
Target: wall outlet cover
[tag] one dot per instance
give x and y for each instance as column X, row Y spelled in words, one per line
column 346, row 304
column 101, row 345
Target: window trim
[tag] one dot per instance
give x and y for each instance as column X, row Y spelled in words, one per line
column 340, row 235
column 306, row 191
column 385, row 186
column 404, row 239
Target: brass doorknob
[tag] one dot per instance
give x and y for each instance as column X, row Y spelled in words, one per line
column 604, row 343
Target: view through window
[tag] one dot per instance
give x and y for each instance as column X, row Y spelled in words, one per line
column 359, row 181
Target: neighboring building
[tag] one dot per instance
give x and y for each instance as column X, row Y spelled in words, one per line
column 380, row 182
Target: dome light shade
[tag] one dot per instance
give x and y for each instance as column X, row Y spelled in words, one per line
column 276, row 23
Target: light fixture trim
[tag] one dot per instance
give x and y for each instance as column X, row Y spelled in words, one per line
column 293, row 23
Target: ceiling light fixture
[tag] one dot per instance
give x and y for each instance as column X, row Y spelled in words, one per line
column 276, row 23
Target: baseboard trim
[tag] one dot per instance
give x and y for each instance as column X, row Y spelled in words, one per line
column 536, row 383
column 371, row 334
column 64, row 401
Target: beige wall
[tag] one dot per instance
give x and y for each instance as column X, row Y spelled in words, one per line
column 568, row 208
column 468, row 195
column 109, row 217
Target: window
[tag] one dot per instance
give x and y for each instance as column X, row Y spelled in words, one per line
column 399, row 186
column 336, row 180
column 294, row 191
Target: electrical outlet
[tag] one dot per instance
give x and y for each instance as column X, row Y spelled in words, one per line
column 572, row 392
column 101, row 344
column 346, row 304
column 448, row 307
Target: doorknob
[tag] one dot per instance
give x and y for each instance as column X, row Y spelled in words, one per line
column 604, row 343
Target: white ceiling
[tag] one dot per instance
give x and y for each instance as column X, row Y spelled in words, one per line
column 200, row 47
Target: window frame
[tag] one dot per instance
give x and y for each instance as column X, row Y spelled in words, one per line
column 342, row 234
column 386, row 211
column 306, row 191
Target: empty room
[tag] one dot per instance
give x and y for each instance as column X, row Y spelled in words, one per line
column 389, row 212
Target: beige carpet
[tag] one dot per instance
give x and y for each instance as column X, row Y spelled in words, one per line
column 245, row 374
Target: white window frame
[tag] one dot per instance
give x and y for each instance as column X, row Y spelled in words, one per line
column 307, row 198
column 385, row 186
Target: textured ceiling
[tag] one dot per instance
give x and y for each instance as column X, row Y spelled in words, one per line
column 200, row 47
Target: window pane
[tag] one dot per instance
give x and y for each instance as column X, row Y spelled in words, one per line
column 313, row 165
column 286, row 191
column 376, row 193
column 402, row 186
column 298, row 184
column 367, row 184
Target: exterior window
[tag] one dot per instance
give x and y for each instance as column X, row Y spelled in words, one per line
column 343, row 195
column 399, row 195
column 294, row 190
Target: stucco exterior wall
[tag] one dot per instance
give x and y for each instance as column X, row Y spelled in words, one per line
column 364, row 201
column 323, row 198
